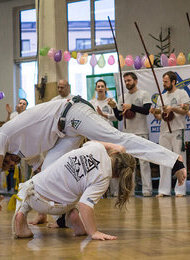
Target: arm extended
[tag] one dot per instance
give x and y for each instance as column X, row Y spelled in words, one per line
column 88, row 219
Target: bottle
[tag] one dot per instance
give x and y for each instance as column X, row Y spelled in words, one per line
column 2, row 95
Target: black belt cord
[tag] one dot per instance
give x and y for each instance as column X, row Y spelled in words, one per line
column 75, row 99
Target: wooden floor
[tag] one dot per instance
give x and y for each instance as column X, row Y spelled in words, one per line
column 151, row 229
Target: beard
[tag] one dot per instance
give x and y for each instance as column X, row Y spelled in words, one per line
column 129, row 87
column 168, row 88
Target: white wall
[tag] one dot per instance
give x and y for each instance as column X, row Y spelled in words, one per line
column 6, row 53
column 150, row 16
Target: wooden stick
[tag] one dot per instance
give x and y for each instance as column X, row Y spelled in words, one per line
column 120, row 73
column 188, row 19
column 152, row 68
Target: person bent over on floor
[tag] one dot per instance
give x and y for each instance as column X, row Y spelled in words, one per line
column 73, row 185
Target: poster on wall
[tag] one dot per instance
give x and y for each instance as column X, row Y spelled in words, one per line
column 146, row 82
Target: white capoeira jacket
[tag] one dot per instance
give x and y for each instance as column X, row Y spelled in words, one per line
column 81, row 175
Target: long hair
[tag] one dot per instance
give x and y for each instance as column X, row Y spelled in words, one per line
column 123, row 167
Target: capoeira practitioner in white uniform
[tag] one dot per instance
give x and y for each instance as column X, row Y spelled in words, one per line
column 57, row 127
column 73, row 185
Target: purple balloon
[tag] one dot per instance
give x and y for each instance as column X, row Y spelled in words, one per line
column 2, row 95
column 58, row 56
column 164, row 60
column 137, row 62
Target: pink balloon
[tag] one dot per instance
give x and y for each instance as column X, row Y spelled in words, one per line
column 137, row 62
column 58, row 56
column 172, row 55
column 111, row 60
column 51, row 53
column 172, row 62
column 164, row 60
column 129, row 60
column 66, row 56
column 93, row 60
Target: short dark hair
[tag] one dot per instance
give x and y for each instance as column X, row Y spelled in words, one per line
column 24, row 100
column 101, row 80
column 132, row 74
column 172, row 75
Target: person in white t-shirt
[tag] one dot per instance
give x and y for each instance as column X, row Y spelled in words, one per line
column 44, row 128
column 173, row 99
column 64, row 90
column 101, row 102
column 103, row 109
column 138, row 103
column 79, row 178
column 20, row 107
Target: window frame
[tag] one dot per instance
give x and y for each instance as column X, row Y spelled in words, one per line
column 17, row 59
column 17, row 36
column 94, row 48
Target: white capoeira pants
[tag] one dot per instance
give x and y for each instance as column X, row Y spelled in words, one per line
column 33, row 200
column 145, row 173
column 173, row 142
column 82, row 120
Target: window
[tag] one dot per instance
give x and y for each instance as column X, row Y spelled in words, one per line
column 79, row 26
column 28, row 76
column 25, row 45
column 82, row 44
column 25, row 53
column 102, row 27
column 28, row 33
column 88, row 19
column 89, row 31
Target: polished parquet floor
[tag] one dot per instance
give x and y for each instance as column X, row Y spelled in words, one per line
column 151, row 228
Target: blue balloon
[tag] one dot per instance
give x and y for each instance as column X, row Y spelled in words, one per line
column 21, row 93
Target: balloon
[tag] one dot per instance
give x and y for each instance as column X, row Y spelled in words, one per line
column 2, row 95
column 143, row 61
column 44, row 51
column 66, row 56
column 93, row 60
column 122, row 61
column 137, row 63
column 147, row 63
column 78, row 57
column 51, row 53
column 129, row 60
column 74, row 54
column 188, row 57
column 181, row 59
column 111, row 60
column 58, row 56
column 172, row 60
column 85, row 56
column 101, row 61
column 83, row 59
column 21, row 93
column 172, row 55
column 164, row 60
